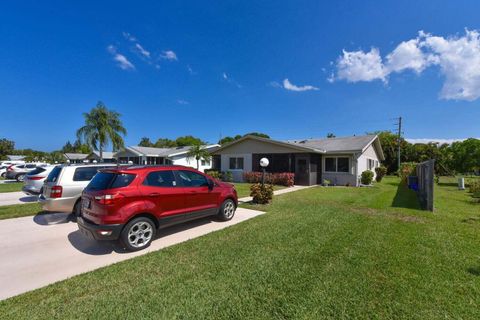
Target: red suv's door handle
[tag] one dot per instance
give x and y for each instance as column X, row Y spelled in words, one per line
column 154, row 194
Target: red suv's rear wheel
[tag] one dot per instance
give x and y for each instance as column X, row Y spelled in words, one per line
column 138, row 234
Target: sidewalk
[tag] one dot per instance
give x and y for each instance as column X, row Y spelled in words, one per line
column 17, row 197
column 278, row 192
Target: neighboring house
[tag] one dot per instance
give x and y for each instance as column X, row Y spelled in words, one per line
column 108, row 156
column 339, row 160
column 158, row 156
column 75, row 157
column 15, row 158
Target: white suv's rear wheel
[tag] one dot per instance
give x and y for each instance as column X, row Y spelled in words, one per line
column 20, row 177
column 138, row 234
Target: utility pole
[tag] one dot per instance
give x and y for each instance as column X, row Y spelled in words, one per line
column 398, row 140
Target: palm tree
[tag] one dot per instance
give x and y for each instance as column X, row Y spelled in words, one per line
column 198, row 152
column 101, row 127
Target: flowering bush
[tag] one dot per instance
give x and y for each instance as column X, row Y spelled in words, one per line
column 407, row 169
column 262, row 194
column 283, row 179
column 213, row 173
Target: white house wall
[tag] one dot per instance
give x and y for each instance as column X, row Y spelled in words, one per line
column 340, row 178
column 185, row 161
column 236, row 174
column 369, row 153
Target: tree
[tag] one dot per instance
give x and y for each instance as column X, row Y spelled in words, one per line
column 229, row 139
column 6, row 147
column 188, row 141
column 330, row 135
column 198, row 152
column 145, row 142
column 101, row 127
column 165, row 143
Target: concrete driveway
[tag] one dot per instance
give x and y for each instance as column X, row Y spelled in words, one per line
column 9, row 198
column 37, row 251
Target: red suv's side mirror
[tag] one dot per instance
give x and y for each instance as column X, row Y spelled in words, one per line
column 211, row 184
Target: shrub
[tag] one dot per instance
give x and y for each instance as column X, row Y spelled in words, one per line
column 284, row 178
column 326, row 182
column 213, row 173
column 407, row 169
column 261, row 194
column 227, row 176
column 367, row 177
column 381, row 172
column 474, row 186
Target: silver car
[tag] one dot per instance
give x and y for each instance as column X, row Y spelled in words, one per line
column 19, row 171
column 33, row 181
column 63, row 187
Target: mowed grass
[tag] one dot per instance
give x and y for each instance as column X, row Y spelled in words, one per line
column 19, row 210
column 320, row 253
column 11, row 186
column 243, row 189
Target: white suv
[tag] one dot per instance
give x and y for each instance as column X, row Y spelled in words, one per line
column 62, row 190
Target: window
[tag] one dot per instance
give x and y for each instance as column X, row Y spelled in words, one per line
column 109, row 180
column 331, row 164
column 54, row 174
column 370, row 164
column 192, row 179
column 160, row 179
column 85, row 173
column 205, row 163
column 236, row 164
column 35, row 171
column 30, row 166
column 343, row 165
column 337, row 164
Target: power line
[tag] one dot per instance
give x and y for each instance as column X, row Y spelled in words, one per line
column 399, row 124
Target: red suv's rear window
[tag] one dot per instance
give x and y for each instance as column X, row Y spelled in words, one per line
column 110, row 180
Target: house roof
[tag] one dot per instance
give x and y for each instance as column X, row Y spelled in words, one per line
column 165, row 152
column 75, row 156
column 325, row 145
column 106, row 154
column 15, row 157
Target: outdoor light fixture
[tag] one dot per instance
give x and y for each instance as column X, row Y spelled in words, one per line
column 263, row 163
column 94, row 161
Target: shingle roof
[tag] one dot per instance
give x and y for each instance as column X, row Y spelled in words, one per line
column 75, row 156
column 165, row 152
column 355, row 143
column 15, row 158
column 106, row 154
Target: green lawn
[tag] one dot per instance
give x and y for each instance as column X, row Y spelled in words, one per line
column 11, row 187
column 358, row 253
column 19, row 210
column 243, row 189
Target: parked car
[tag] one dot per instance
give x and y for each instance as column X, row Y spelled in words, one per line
column 130, row 204
column 19, row 171
column 63, row 187
column 33, row 182
column 3, row 171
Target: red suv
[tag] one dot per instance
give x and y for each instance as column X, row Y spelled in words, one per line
column 132, row 203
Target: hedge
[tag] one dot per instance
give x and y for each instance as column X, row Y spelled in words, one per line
column 283, row 178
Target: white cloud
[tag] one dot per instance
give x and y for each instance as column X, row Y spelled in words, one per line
column 190, row 70
column 121, row 60
column 129, row 37
column 407, row 55
column 142, row 51
column 357, row 66
column 230, row 80
column 458, row 58
column 434, row 140
column 182, row 102
column 291, row 87
column 168, row 55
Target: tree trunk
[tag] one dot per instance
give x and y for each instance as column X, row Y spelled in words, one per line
column 198, row 166
column 101, row 153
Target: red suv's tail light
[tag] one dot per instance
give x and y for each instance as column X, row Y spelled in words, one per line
column 108, row 198
column 56, row 192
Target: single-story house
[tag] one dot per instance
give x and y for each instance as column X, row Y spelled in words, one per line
column 108, row 156
column 157, row 156
column 75, row 157
column 339, row 160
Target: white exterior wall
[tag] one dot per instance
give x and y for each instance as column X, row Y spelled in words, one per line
column 183, row 160
column 370, row 153
column 340, row 178
column 237, row 174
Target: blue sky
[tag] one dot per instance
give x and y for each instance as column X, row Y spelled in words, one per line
column 227, row 67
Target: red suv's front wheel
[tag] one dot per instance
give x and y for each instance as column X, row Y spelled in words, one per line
column 227, row 210
column 138, row 234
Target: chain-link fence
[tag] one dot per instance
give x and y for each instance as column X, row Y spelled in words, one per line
column 426, row 177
